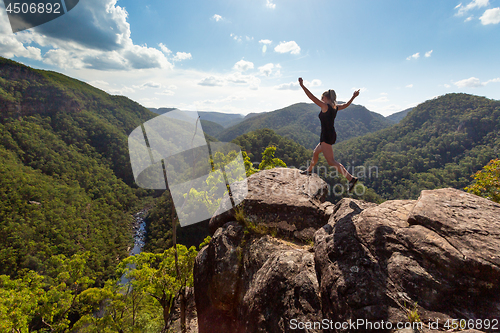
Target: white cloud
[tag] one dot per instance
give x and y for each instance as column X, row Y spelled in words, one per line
column 96, row 36
column 243, row 65
column 409, row 86
column 314, row 83
column 265, row 42
column 217, row 18
column 251, row 81
column 414, row 56
column 469, row 18
column 295, row 85
column 493, row 81
column 233, row 79
column 491, row 16
column 270, row 4
column 165, row 93
column 164, row 49
column 211, row 81
column 288, row 86
column 179, row 56
column 285, row 47
column 474, row 82
column 13, row 45
column 222, row 100
column 462, row 10
column 428, row 54
column 471, row 82
column 447, row 85
column 149, row 84
column 382, row 99
column 267, row 69
column 235, row 37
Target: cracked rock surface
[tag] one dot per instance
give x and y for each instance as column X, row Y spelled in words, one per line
column 438, row 256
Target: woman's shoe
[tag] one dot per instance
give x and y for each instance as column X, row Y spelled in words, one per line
column 352, row 183
column 305, row 172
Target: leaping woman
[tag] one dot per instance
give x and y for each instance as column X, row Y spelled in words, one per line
column 329, row 109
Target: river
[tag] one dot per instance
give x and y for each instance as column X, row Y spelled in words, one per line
column 139, row 226
column 140, row 231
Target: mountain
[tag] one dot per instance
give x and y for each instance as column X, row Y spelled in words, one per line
column 396, row 117
column 300, row 123
column 223, row 119
column 161, row 110
column 254, row 143
column 66, row 184
column 440, row 143
column 210, row 127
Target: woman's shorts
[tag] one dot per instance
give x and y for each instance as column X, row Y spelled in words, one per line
column 329, row 138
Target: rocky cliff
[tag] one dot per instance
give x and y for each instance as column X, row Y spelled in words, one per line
column 292, row 263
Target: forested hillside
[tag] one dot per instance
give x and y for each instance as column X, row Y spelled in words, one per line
column 300, row 123
column 66, row 184
column 398, row 116
column 440, row 143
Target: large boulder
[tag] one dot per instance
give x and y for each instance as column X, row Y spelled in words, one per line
column 280, row 199
column 438, row 256
column 249, row 283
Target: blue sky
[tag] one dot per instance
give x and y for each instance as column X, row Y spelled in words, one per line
column 246, row 55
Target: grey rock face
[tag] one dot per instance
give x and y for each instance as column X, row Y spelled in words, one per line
column 438, row 257
column 254, row 284
column 439, row 254
column 281, row 199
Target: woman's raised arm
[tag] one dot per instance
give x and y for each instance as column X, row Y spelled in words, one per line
column 312, row 97
column 343, row 106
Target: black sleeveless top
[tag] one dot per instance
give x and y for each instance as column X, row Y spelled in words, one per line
column 327, row 119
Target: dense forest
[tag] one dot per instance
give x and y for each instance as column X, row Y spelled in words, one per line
column 66, row 185
column 440, row 143
column 67, row 193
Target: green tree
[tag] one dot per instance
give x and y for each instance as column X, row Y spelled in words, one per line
column 19, row 300
column 249, row 169
column 142, row 300
column 269, row 161
column 34, row 302
column 487, row 181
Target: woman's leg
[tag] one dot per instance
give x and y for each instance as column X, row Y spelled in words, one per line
column 328, row 153
column 315, row 158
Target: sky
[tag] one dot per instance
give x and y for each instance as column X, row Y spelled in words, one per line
column 243, row 56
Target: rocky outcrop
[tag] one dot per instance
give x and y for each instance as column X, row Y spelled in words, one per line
column 245, row 283
column 283, row 200
column 191, row 315
column 438, row 255
column 436, row 258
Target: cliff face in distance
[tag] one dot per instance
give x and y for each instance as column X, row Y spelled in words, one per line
column 437, row 258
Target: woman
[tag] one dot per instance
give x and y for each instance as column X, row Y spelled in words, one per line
column 329, row 109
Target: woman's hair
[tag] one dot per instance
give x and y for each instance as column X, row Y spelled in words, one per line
column 331, row 95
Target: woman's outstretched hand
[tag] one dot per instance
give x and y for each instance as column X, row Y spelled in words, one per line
column 355, row 94
column 301, row 82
